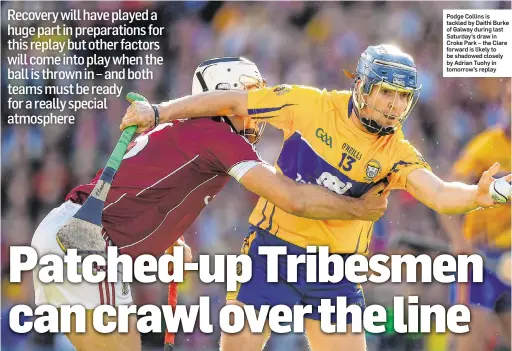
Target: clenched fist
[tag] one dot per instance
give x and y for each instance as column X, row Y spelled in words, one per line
column 187, row 252
column 373, row 205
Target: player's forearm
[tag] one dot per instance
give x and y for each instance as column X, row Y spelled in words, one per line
column 441, row 196
column 214, row 103
column 316, row 202
column 455, row 198
column 303, row 200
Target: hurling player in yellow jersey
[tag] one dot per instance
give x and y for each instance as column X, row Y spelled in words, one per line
column 347, row 141
column 487, row 232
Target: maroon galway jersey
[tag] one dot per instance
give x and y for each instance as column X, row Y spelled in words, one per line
column 167, row 177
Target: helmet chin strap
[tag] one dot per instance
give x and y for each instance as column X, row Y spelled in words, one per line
column 244, row 132
column 370, row 124
column 373, row 127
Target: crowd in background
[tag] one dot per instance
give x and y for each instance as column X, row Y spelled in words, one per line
column 305, row 43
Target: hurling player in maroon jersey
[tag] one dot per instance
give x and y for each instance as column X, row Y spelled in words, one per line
column 166, row 178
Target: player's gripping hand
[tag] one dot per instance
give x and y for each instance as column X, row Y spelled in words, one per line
column 374, row 203
column 187, row 252
column 483, row 199
column 141, row 114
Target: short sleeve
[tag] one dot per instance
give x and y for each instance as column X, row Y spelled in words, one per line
column 223, row 152
column 283, row 105
column 409, row 159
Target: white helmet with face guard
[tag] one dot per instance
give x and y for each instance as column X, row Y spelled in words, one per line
column 226, row 73
column 230, row 73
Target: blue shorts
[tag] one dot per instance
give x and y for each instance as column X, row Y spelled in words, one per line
column 492, row 294
column 259, row 292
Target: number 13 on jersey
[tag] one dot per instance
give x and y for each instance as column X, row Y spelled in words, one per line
column 346, row 162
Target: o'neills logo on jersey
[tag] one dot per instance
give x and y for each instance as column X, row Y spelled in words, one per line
column 372, row 169
column 281, row 90
column 322, row 135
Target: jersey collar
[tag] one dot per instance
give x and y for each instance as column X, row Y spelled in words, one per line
column 350, row 105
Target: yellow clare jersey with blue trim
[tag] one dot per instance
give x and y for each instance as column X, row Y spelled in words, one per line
column 491, row 226
column 323, row 146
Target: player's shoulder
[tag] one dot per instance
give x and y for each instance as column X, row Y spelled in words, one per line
column 401, row 143
column 297, row 91
column 338, row 98
column 340, row 94
column 218, row 132
column 207, row 124
column 221, row 147
column 311, row 90
column 480, row 142
column 324, row 96
column 284, row 88
column 489, row 134
column 202, row 132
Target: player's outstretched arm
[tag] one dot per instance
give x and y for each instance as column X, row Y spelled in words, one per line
column 211, row 103
column 313, row 201
column 452, row 197
column 452, row 224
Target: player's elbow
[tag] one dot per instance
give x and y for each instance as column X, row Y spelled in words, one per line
column 429, row 190
column 296, row 207
column 439, row 208
column 292, row 205
column 446, row 209
column 286, row 194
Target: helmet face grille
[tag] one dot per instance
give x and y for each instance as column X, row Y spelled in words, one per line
column 385, row 67
column 253, row 134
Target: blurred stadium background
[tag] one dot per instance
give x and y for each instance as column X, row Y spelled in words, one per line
column 292, row 42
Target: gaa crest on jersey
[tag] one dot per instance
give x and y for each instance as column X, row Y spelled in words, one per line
column 373, row 169
column 322, row 135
